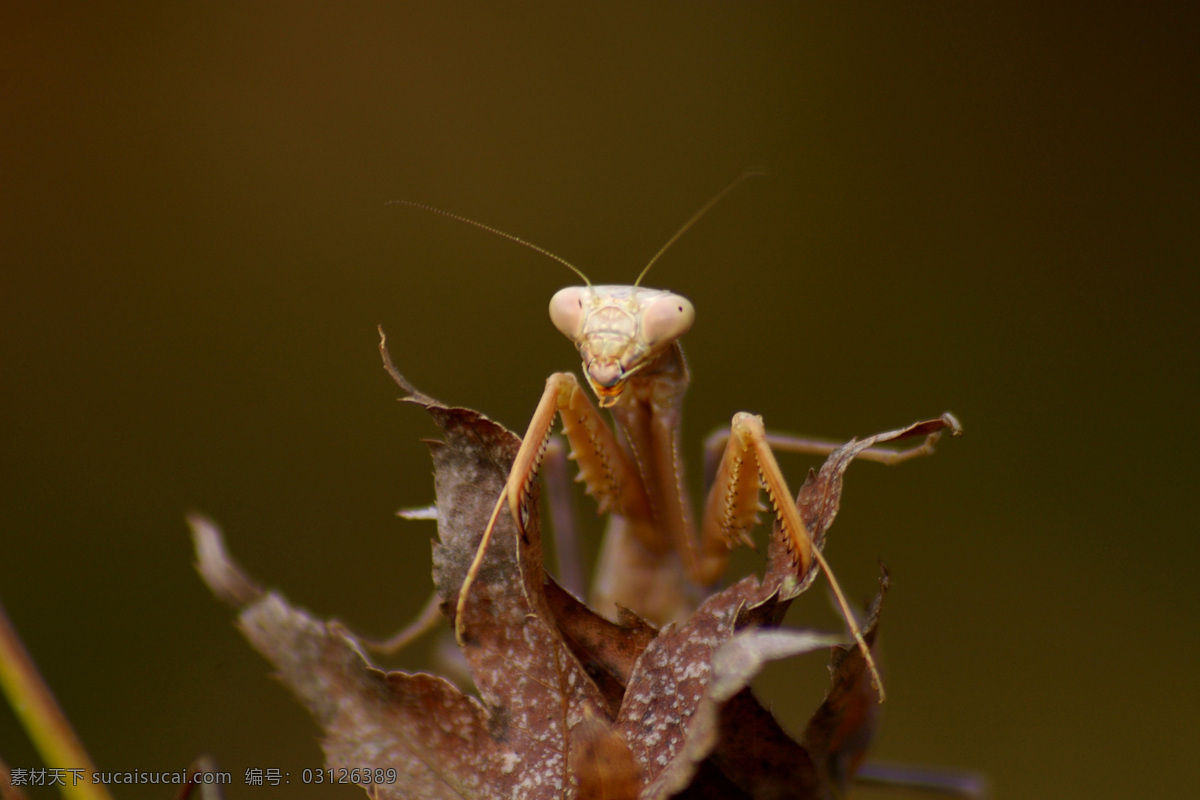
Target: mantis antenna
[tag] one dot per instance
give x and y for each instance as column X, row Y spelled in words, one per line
column 750, row 173
column 496, row 231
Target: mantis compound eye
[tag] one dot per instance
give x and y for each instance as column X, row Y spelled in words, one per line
column 666, row 319
column 566, row 311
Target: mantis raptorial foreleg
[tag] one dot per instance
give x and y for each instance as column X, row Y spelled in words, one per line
column 732, row 508
column 604, row 469
column 714, row 448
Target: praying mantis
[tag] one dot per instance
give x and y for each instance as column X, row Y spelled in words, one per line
column 654, row 553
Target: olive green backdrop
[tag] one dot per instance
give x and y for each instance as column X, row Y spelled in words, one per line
column 991, row 210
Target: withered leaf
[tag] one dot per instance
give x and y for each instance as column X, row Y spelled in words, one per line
column 570, row 704
column 607, row 650
column 534, row 691
column 700, row 718
column 672, row 678
column 840, row 731
column 422, row 726
column 535, row 688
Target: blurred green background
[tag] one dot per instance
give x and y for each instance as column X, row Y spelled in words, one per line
column 989, row 209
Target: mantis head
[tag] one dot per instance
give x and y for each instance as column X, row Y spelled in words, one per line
column 619, row 330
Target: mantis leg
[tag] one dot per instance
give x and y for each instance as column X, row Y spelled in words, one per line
column 731, row 510
column 603, row 466
column 562, row 515
column 714, row 447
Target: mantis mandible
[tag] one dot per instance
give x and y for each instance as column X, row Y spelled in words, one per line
column 628, row 339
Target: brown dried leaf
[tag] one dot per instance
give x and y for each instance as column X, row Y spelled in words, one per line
column 533, row 689
column 607, row 650
column 437, row 739
column 673, row 676
column 570, row 703
column 471, row 466
column 840, row 731
column 711, row 717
